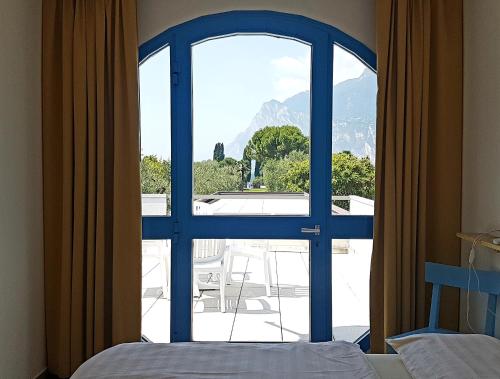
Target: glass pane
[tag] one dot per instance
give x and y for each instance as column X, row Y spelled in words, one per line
column 353, row 134
column 251, row 126
column 154, row 76
column 350, row 288
column 156, row 290
column 250, row 290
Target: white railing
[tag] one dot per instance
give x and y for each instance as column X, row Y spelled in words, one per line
column 253, row 195
column 287, row 204
column 157, row 204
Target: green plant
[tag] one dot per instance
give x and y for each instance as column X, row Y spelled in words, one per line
column 275, row 142
column 219, row 152
column 155, row 175
column 257, row 182
column 352, row 175
column 212, row 176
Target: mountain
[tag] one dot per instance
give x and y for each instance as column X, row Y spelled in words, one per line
column 354, row 111
column 293, row 111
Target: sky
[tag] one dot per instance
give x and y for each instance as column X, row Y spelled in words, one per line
column 231, row 78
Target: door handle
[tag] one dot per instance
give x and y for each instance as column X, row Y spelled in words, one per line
column 316, row 230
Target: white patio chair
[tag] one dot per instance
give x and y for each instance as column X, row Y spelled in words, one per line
column 209, row 257
column 160, row 249
column 253, row 249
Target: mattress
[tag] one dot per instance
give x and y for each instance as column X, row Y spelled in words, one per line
column 337, row 359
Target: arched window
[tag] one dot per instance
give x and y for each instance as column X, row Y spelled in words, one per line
column 258, row 148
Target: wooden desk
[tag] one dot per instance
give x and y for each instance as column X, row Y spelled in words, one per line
column 485, row 240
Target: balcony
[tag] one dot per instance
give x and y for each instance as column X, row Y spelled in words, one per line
column 258, row 307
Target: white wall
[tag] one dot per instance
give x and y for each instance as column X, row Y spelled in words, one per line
column 481, row 158
column 354, row 17
column 22, row 341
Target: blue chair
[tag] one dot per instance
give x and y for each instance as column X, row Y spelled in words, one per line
column 443, row 275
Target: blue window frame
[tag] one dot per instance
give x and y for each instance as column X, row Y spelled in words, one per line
column 182, row 227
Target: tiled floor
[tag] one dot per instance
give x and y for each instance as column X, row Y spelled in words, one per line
column 250, row 314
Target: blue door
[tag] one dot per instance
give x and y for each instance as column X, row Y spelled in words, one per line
column 315, row 223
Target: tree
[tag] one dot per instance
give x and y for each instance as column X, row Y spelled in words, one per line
column 274, row 142
column 257, row 182
column 297, row 177
column 245, row 168
column 276, row 173
column 219, row 152
column 228, row 161
column 211, row 177
column 155, row 175
column 352, row 175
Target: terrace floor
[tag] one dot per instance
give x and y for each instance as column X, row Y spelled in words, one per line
column 250, row 314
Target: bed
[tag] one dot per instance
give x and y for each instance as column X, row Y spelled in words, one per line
column 421, row 356
column 388, row 366
column 231, row 360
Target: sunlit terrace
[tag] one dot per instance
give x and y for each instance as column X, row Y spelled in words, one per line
column 256, row 290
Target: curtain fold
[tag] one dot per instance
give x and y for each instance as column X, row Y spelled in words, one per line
column 92, row 217
column 418, row 162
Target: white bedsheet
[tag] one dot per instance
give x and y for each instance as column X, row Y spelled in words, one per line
column 389, row 366
column 228, row 360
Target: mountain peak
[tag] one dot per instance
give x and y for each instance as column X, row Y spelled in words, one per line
column 271, row 102
column 366, row 72
column 299, row 102
column 353, row 117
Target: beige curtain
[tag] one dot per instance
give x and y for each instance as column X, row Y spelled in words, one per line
column 418, row 163
column 91, row 178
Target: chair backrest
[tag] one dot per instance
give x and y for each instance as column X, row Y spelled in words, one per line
column 255, row 243
column 156, row 248
column 451, row 276
column 206, row 250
